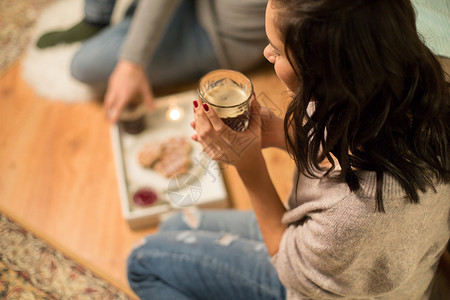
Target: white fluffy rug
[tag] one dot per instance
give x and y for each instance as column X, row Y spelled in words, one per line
column 47, row 71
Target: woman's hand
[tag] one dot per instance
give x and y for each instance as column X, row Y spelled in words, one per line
column 221, row 143
column 272, row 130
column 243, row 150
column 127, row 82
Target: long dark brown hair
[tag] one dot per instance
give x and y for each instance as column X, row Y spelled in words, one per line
column 380, row 95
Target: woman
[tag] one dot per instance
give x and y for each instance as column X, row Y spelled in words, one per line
column 165, row 42
column 368, row 128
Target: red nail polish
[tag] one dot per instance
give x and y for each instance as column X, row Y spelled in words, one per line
column 205, row 107
column 195, row 103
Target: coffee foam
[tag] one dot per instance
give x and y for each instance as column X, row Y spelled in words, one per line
column 226, row 96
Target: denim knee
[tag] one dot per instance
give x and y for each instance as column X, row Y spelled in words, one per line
column 91, row 66
column 133, row 270
column 79, row 69
column 188, row 219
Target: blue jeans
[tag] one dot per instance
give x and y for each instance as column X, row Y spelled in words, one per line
column 98, row 11
column 205, row 255
column 184, row 53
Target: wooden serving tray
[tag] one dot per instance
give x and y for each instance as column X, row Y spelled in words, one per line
column 202, row 186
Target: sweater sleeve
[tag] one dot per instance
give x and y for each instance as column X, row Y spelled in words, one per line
column 149, row 22
column 305, row 261
column 336, row 246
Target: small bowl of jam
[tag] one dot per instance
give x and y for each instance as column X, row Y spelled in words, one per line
column 145, row 197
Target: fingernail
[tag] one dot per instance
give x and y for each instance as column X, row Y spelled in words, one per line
column 195, row 103
column 205, row 107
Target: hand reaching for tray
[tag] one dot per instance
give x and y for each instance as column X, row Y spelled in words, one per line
column 127, row 82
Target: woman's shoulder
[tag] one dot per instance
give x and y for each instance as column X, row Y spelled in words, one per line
column 332, row 197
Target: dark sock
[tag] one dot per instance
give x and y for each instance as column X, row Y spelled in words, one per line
column 79, row 32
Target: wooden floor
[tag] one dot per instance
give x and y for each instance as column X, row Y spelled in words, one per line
column 58, row 177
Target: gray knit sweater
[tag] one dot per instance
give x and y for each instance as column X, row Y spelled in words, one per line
column 235, row 27
column 338, row 246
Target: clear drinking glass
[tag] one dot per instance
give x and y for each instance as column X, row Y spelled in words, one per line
column 228, row 93
column 132, row 118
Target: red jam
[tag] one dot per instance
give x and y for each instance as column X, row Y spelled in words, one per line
column 145, row 197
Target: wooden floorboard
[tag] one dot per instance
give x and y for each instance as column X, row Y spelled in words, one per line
column 58, row 176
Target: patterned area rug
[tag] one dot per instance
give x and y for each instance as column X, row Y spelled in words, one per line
column 17, row 18
column 22, row 22
column 32, row 269
column 47, row 70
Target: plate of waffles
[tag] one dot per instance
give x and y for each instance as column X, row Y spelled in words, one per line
column 159, row 157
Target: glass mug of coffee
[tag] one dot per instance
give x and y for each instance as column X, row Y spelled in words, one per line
column 229, row 93
column 132, row 117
